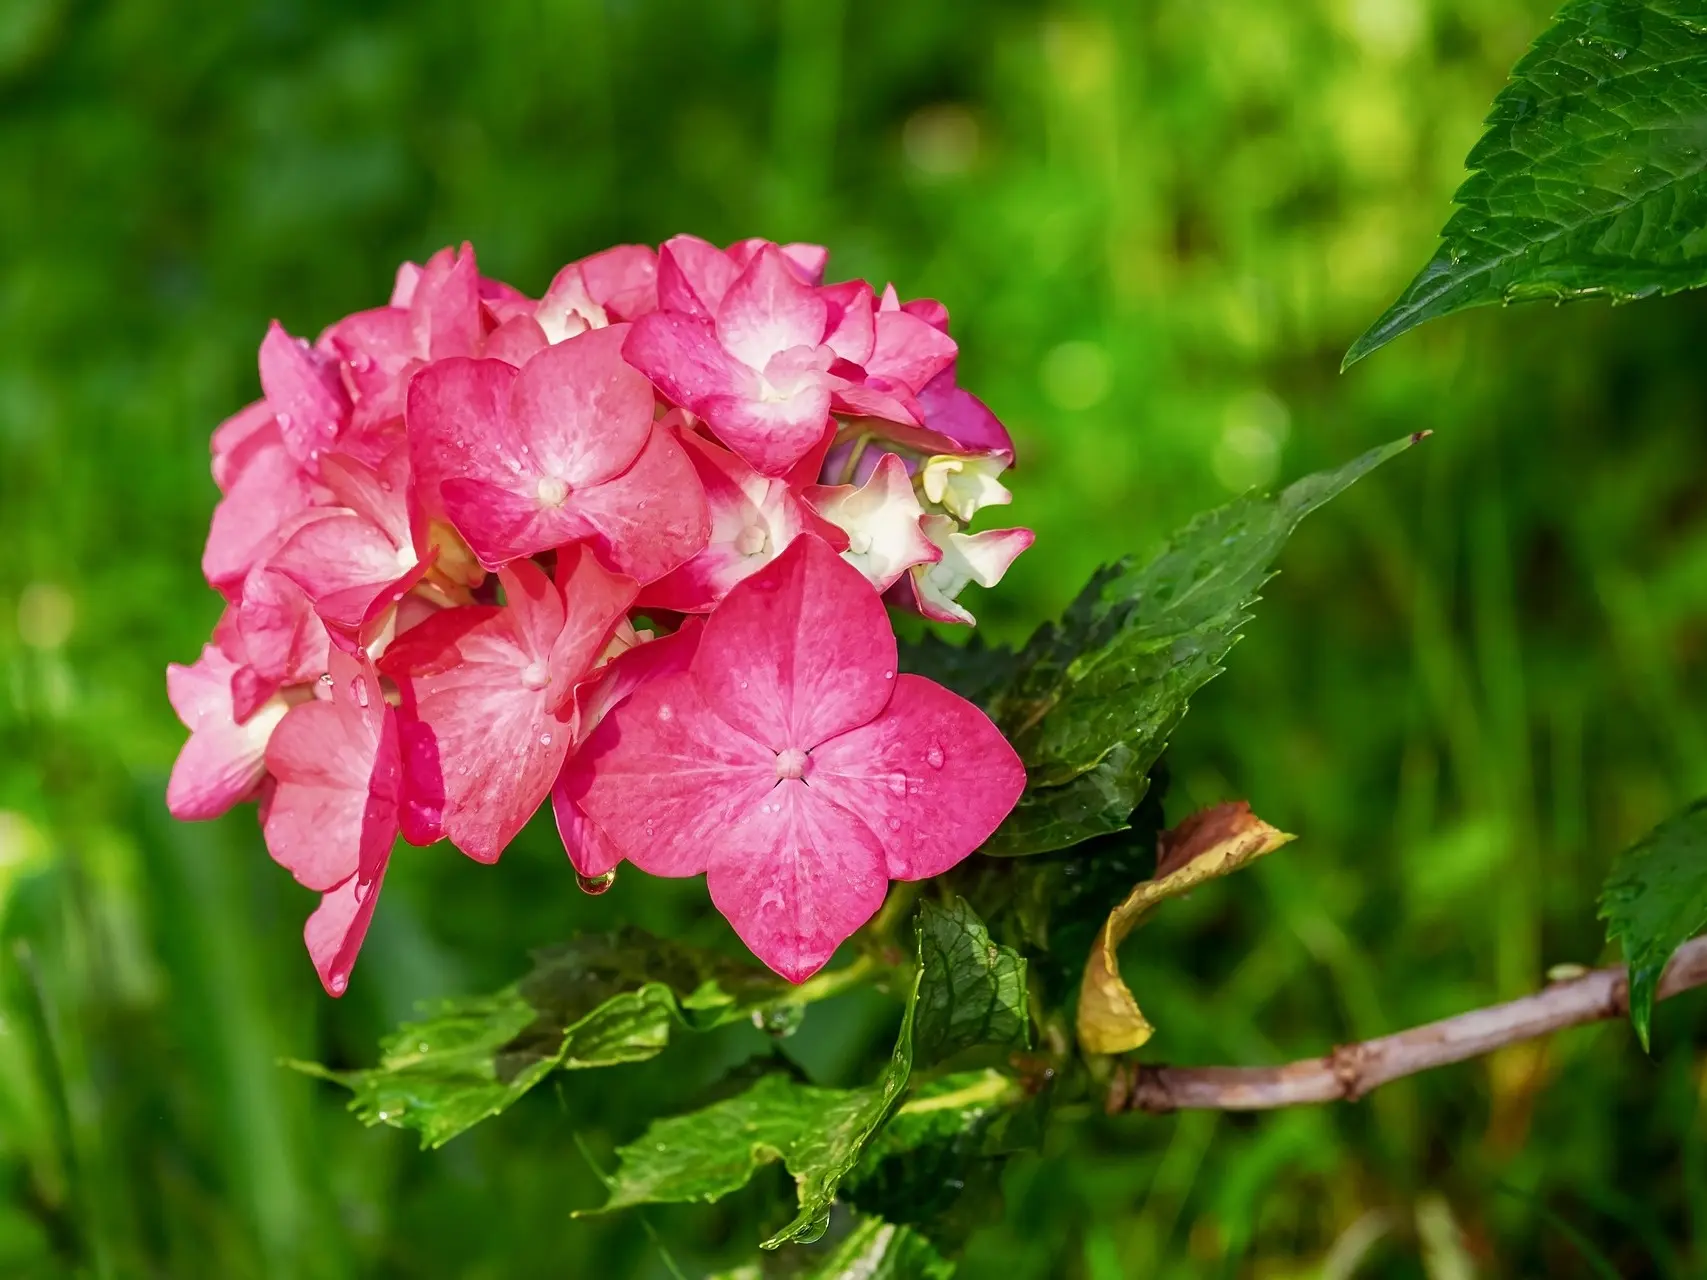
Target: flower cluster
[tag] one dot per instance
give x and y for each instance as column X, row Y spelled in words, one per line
column 627, row 546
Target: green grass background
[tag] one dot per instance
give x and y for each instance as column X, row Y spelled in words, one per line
column 1158, row 226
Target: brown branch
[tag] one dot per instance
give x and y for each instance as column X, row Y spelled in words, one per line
column 1352, row 1070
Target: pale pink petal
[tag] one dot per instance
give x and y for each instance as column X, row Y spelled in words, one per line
column 269, row 493
column 693, row 276
column 581, row 412
column 929, row 310
column 284, row 642
column 379, row 494
column 807, row 261
column 239, row 438
column 799, row 652
column 335, row 931
column 306, row 393
column 772, row 435
column 682, row 357
column 223, row 761
column 768, row 310
column 568, row 309
column 796, row 875
column 516, row 341
column 931, row 775
column 593, row 601
column 652, row 517
column 881, row 521
column 934, row 589
column 376, row 347
column 664, row 777
column 403, row 289
column 893, row 403
column 344, row 563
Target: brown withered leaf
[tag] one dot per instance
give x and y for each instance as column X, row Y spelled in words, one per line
column 1207, row 845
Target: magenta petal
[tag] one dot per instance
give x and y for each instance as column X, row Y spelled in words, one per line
column 963, row 418
column 795, row 876
column 516, row 341
column 590, row 850
column 342, row 562
column 334, row 933
column 682, row 357
column 283, row 641
column 269, row 492
column 623, row 280
column 909, row 350
column 767, row 310
column 799, row 652
column 652, row 517
column 501, row 525
column 665, row 778
column 581, row 412
column 444, row 310
column 236, row 440
column 594, row 601
column 306, row 394
column 931, row 774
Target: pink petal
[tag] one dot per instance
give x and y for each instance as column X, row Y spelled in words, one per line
column 516, row 341
column 594, row 601
column 376, row 347
column 481, row 749
column 806, row 261
column 963, row 418
column 652, row 517
column 377, row 494
column 590, row 850
column 682, row 357
column 306, row 393
column 799, row 652
column 623, row 280
column 502, row 525
column 645, row 662
column 444, row 310
column 796, row 875
column 931, row 775
column 334, row 933
column 850, row 320
column 239, row 438
column 451, row 402
column 929, row 310
column 338, row 776
column 581, row 412
column 772, row 435
column 264, row 497
column 223, row 761
column 344, row 563
column 664, row 777
column 284, row 641
column 890, row 401
column 693, row 276
column 768, row 310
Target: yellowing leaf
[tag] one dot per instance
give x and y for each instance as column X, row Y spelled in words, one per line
column 1205, row 846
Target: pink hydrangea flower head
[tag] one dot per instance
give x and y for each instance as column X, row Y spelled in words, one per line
column 562, row 450
column 793, row 766
column 333, row 814
column 880, row 520
column 934, row 589
column 488, row 713
column 755, row 368
column 753, row 517
column 223, row 761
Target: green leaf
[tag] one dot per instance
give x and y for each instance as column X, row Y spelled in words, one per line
column 974, row 990
column 1589, row 180
column 598, row 1001
column 879, row 1250
column 1099, row 692
column 975, row 670
column 1654, row 900
column 819, row 1134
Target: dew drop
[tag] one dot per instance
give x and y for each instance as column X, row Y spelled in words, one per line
column 285, row 421
column 462, row 771
column 894, row 824
column 358, row 687
column 339, row 982
column 934, row 757
column 361, row 362
column 665, row 713
column 545, row 739
column 595, row 885
column 326, row 678
column 898, row 784
column 743, row 684
column 888, row 675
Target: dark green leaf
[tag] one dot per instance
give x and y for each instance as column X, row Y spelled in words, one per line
column 1099, row 692
column 598, row 1001
column 1589, row 180
column 820, row 1135
column 1655, row 899
column 878, row 1250
column 974, row 670
column 974, row 990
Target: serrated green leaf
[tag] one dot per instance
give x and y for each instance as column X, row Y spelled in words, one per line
column 975, row 670
column 820, row 1135
column 1589, row 181
column 974, row 990
column 599, row 1001
column 1099, row 692
column 1654, row 900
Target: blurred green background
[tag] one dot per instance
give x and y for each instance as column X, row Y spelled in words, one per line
column 1158, row 226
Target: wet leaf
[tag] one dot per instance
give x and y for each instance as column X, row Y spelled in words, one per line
column 1654, row 900
column 1207, row 845
column 1589, row 180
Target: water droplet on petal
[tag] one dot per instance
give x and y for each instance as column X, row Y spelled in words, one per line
column 934, row 757
column 743, row 684
column 665, row 713
column 894, row 824
column 358, row 688
column 284, row 421
column 898, row 784
column 326, row 678
column 462, row 771
column 595, row 885
column 888, row 675
column 545, row 739
column 339, row 982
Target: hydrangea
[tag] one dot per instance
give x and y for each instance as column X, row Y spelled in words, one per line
column 626, row 545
